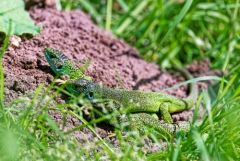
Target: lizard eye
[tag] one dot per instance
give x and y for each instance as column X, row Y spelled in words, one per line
column 90, row 95
column 60, row 66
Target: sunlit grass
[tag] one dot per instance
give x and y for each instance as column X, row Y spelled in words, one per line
column 173, row 31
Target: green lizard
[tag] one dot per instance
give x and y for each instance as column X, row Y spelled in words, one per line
column 142, row 104
column 136, row 101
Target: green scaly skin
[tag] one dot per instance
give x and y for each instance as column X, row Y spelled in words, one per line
column 140, row 104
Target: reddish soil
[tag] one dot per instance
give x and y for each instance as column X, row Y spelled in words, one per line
column 114, row 63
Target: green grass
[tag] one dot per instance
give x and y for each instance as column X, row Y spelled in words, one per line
column 164, row 32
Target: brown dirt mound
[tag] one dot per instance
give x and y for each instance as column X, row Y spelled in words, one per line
column 114, row 63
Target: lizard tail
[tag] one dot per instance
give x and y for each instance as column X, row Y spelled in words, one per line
column 193, row 88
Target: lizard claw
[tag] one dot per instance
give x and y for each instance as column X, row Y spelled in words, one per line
column 63, row 79
column 111, row 135
column 60, row 81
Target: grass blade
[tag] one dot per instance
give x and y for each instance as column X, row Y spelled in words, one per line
column 205, row 78
column 177, row 20
column 201, row 146
column 3, row 49
column 109, row 15
column 134, row 13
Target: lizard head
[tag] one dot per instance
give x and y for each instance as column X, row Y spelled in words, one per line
column 56, row 60
column 63, row 66
column 82, row 86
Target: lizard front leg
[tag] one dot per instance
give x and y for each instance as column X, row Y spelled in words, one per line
column 164, row 111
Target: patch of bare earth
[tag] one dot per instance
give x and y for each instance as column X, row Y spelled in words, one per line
column 114, row 63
